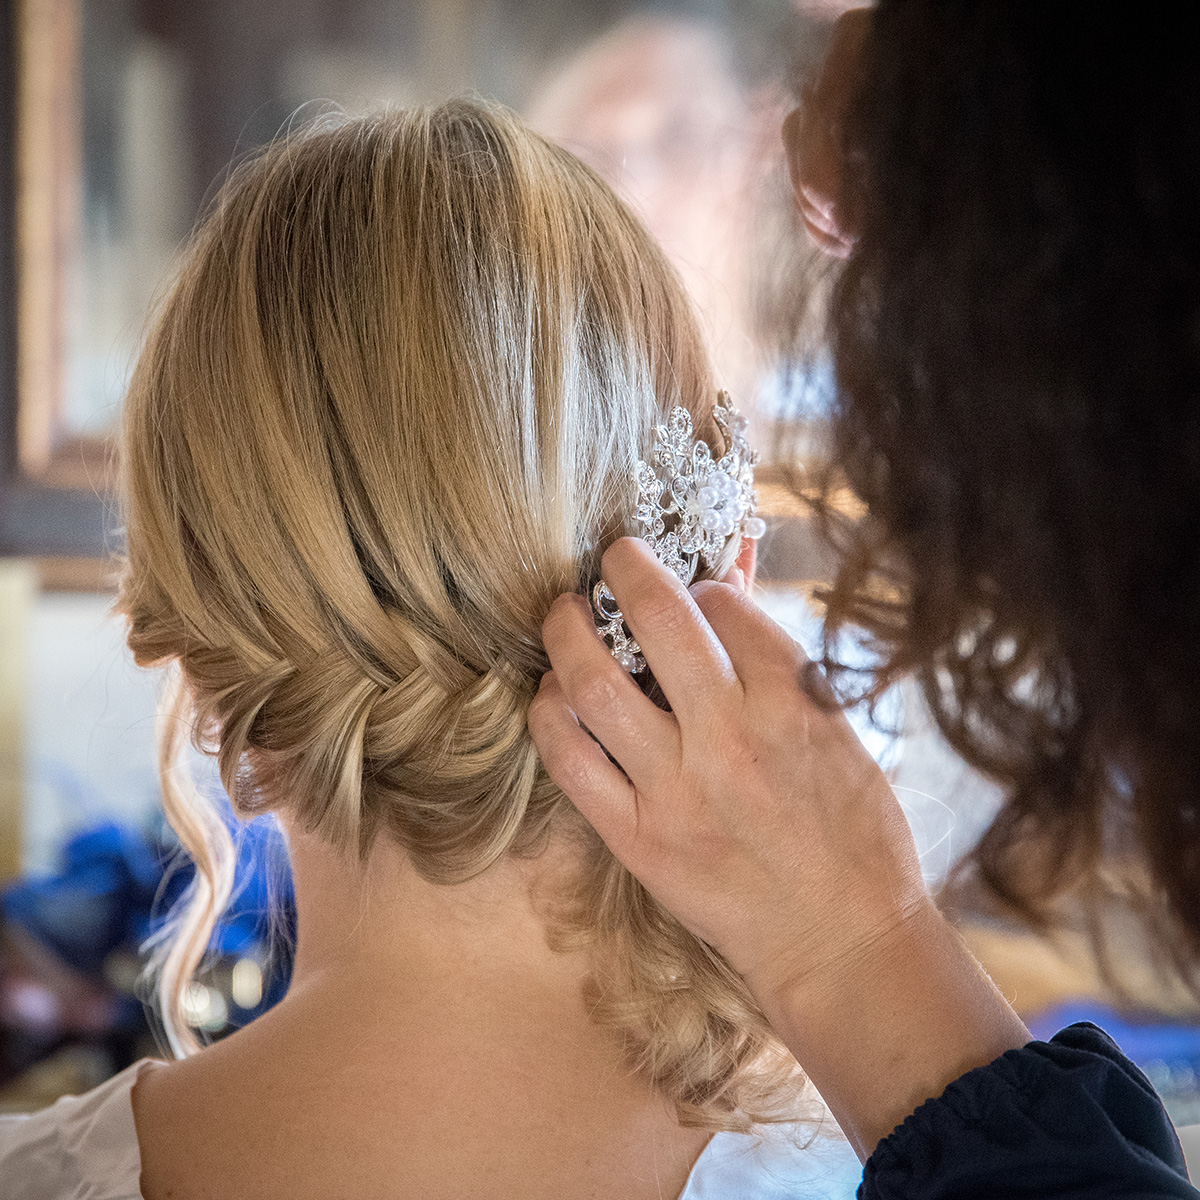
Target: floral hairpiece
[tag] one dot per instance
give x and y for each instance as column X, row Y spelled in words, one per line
column 689, row 506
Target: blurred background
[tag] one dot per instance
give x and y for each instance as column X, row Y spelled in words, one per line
column 118, row 120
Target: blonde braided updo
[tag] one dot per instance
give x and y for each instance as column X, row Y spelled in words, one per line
column 390, row 409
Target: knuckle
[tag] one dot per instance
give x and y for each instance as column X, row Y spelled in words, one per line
column 563, row 771
column 540, row 720
column 564, row 761
column 661, row 608
column 744, row 762
column 593, row 693
column 713, row 598
column 744, row 747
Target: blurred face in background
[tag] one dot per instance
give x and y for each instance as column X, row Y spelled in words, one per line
column 655, row 106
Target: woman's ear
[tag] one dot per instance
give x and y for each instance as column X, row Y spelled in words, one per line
column 813, row 138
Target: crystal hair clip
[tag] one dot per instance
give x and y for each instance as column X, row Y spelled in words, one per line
column 688, row 507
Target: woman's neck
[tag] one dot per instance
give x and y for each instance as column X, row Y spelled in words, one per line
column 439, row 1013
column 380, row 920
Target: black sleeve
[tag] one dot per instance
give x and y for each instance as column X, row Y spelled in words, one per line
column 1069, row 1118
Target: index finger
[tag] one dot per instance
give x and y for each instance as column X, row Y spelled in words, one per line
column 628, row 724
column 679, row 645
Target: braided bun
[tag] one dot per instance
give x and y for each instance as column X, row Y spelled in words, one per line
column 390, row 410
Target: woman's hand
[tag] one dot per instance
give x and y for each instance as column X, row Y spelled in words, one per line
column 749, row 811
column 756, row 816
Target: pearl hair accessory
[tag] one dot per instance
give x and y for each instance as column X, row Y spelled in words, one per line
column 703, row 502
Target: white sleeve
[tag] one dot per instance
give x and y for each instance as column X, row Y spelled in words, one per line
column 80, row 1148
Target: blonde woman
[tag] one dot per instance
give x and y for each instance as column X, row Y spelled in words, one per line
column 391, row 408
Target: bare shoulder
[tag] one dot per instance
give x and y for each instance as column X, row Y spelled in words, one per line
column 269, row 1114
column 209, row 1117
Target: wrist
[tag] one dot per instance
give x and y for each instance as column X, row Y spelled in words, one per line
column 846, row 953
column 892, row 1022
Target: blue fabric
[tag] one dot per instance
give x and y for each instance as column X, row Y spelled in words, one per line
column 115, row 887
column 98, row 901
column 1068, row 1118
column 1142, row 1038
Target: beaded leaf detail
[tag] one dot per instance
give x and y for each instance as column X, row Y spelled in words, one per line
column 688, row 507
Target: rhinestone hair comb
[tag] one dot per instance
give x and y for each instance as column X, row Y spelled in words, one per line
column 688, row 508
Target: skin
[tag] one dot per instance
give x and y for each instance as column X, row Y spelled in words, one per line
column 754, row 814
column 430, row 1039
column 812, row 139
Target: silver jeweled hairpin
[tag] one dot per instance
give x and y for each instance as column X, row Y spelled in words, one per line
column 703, row 502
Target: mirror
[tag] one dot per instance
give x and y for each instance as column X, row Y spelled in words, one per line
column 128, row 114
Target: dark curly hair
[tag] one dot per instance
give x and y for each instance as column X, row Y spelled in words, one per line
column 1017, row 346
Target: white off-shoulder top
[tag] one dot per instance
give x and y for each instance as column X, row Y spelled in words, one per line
column 85, row 1148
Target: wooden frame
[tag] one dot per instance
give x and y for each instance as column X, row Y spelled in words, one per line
column 54, row 487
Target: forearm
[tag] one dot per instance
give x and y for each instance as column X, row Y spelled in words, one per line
column 889, row 1027
column 758, row 819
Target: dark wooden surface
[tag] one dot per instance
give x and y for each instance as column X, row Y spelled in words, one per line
column 36, row 518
